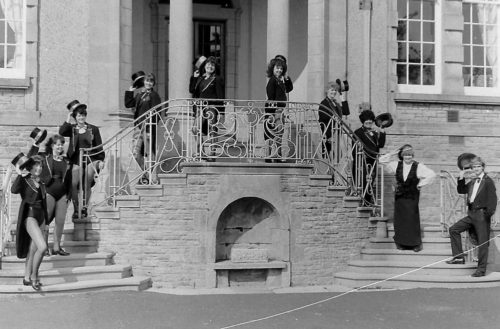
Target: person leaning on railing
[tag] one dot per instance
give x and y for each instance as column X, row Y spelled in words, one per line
column 206, row 83
column 277, row 89
column 411, row 176
column 141, row 102
column 82, row 135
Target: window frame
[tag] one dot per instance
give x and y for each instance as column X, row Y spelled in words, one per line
column 436, row 88
column 18, row 74
column 482, row 91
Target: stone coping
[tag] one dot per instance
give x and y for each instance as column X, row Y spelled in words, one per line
column 228, row 265
column 232, row 168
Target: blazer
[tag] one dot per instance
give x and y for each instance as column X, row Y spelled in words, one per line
column 276, row 90
column 372, row 142
column 70, row 130
column 141, row 102
column 47, row 169
column 214, row 89
column 486, row 197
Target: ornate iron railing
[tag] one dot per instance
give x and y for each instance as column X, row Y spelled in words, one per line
column 189, row 130
column 5, row 206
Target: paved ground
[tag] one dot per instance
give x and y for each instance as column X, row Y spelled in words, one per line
column 405, row 309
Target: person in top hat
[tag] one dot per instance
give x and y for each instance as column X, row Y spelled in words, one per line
column 277, row 89
column 32, row 217
column 332, row 104
column 372, row 141
column 411, row 176
column 206, row 83
column 56, row 175
column 82, row 135
column 481, row 204
column 145, row 127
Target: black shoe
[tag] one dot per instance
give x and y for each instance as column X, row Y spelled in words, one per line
column 455, row 261
column 417, row 248
column 60, row 252
column 35, row 284
column 477, row 274
column 26, row 282
column 75, row 215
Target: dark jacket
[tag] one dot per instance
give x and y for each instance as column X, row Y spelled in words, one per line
column 486, row 197
column 70, row 130
column 28, row 198
column 373, row 141
column 277, row 90
column 47, row 168
column 213, row 90
column 141, row 102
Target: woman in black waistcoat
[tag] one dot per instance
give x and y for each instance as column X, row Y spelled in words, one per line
column 82, row 135
column 207, row 84
column 30, row 242
column 56, row 175
column 411, row 176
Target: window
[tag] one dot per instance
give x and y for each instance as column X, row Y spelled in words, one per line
column 12, row 38
column 481, row 46
column 209, row 41
column 417, row 68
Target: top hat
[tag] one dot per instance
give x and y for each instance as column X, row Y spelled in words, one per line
column 38, row 135
column 343, row 86
column 73, row 105
column 384, row 120
column 199, row 62
column 464, row 160
column 366, row 115
column 138, row 79
column 280, row 57
column 21, row 161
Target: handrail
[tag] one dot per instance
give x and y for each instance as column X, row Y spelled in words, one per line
column 245, row 130
column 5, row 206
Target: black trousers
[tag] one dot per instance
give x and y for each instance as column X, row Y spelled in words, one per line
column 481, row 223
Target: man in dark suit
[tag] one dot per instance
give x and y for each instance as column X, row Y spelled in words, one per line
column 372, row 141
column 481, row 203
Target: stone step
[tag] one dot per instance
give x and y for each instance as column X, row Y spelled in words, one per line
column 135, row 283
column 69, row 246
column 380, row 281
column 426, row 255
column 69, row 274
column 428, row 231
column 428, row 243
column 420, row 268
column 66, row 236
column 73, row 260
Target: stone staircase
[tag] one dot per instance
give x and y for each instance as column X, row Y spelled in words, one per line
column 85, row 269
column 381, row 260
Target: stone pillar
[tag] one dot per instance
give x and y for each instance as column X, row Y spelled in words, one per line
column 180, row 48
column 278, row 14
column 317, row 49
column 453, row 54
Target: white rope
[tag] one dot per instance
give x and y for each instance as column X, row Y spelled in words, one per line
column 354, row 289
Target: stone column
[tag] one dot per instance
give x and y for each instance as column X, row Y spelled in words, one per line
column 180, row 48
column 317, row 49
column 278, row 14
column 453, row 54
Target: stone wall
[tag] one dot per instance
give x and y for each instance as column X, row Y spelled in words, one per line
column 168, row 232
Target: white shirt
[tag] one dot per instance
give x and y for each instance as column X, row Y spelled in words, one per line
column 424, row 174
column 476, row 187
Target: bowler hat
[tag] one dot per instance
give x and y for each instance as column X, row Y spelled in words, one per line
column 74, row 105
column 138, row 79
column 38, row 135
column 366, row 115
column 384, row 120
column 464, row 160
column 22, row 161
column 199, row 62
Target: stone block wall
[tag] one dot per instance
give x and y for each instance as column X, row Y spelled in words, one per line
column 169, row 232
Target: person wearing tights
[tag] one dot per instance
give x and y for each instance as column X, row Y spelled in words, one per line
column 32, row 217
column 56, row 175
column 82, row 135
column 278, row 86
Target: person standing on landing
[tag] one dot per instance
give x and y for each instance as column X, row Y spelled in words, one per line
column 411, row 176
column 481, row 204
